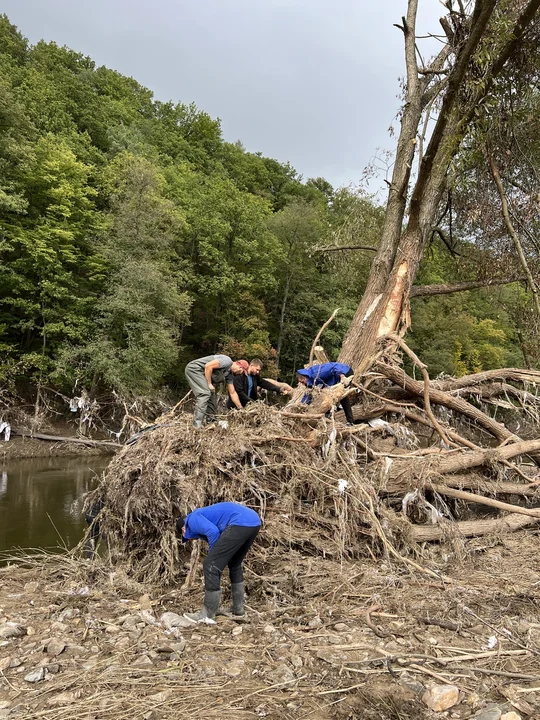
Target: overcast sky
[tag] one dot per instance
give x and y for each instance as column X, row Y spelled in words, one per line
column 312, row 82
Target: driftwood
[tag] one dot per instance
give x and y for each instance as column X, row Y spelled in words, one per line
column 470, row 528
column 482, row 500
column 65, row 439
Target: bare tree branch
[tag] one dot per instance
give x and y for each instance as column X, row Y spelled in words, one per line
column 431, row 290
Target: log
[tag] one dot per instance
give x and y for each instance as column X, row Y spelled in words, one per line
column 400, row 378
column 61, row 438
column 482, row 500
column 494, row 486
column 515, row 374
column 470, row 528
column 403, row 474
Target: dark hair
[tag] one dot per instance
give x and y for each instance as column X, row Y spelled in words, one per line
column 257, row 362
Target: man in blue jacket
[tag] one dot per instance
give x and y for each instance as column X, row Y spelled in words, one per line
column 230, row 529
column 324, row 376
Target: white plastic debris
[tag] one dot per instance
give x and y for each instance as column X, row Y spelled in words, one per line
column 5, row 430
column 378, row 423
column 491, row 643
column 342, row 485
column 223, row 424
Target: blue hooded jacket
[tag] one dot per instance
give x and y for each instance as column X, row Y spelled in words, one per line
column 207, row 523
column 324, row 375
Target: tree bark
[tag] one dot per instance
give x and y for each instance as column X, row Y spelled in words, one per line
column 384, row 307
column 470, row 528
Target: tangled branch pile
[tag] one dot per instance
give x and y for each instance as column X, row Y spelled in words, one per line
column 325, row 488
column 308, row 487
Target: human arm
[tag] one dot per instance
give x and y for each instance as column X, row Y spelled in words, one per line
column 197, row 524
column 234, row 396
column 240, row 386
column 208, row 369
column 274, row 386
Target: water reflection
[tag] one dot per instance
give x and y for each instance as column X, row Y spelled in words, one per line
column 41, row 500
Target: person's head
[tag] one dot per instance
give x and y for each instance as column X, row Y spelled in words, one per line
column 239, row 366
column 302, row 379
column 302, row 376
column 255, row 366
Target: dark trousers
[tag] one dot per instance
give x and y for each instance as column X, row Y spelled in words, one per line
column 346, row 403
column 229, row 549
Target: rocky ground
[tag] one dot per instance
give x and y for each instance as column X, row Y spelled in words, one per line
column 322, row 640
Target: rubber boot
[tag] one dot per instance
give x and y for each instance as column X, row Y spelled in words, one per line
column 237, row 592
column 207, row 613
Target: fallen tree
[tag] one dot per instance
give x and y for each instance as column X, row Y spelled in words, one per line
column 396, row 478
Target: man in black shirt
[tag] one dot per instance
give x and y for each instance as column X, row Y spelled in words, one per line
column 247, row 385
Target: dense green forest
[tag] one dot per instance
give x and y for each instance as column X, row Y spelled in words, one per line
column 134, row 238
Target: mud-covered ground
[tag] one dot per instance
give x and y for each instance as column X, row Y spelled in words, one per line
column 321, row 640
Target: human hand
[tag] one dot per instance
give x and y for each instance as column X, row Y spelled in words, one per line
column 211, row 387
column 286, row 389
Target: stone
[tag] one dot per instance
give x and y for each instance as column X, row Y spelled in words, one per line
column 15, row 662
column 160, row 697
column 410, row 682
column 511, row 716
column 334, row 640
column 123, row 643
column 55, row 647
column 59, row 627
column 172, row 620
column 76, row 649
column 147, row 617
column 178, row 647
column 143, row 661
column 145, row 603
column 234, row 668
column 269, row 629
column 441, row 697
column 237, row 630
column 490, row 712
column 31, row 587
column 296, row 661
column 113, row 629
column 341, row 627
column 36, row 675
column 4, row 663
column 315, row 623
column 12, row 630
column 53, row 668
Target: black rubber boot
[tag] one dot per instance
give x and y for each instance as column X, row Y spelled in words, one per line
column 207, row 614
column 237, row 592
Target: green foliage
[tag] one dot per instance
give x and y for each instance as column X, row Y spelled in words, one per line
column 134, row 238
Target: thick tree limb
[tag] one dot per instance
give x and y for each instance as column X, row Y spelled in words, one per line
column 404, row 474
column 482, row 500
column 448, row 289
column 422, row 366
column 470, row 528
column 475, row 482
column 501, row 374
column 400, row 378
column 66, row 439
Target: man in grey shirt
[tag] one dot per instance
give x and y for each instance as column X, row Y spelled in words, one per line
column 202, row 375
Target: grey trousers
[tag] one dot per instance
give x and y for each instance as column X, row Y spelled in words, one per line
column 205, row 399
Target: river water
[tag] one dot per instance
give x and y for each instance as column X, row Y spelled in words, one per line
column 41, row 500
